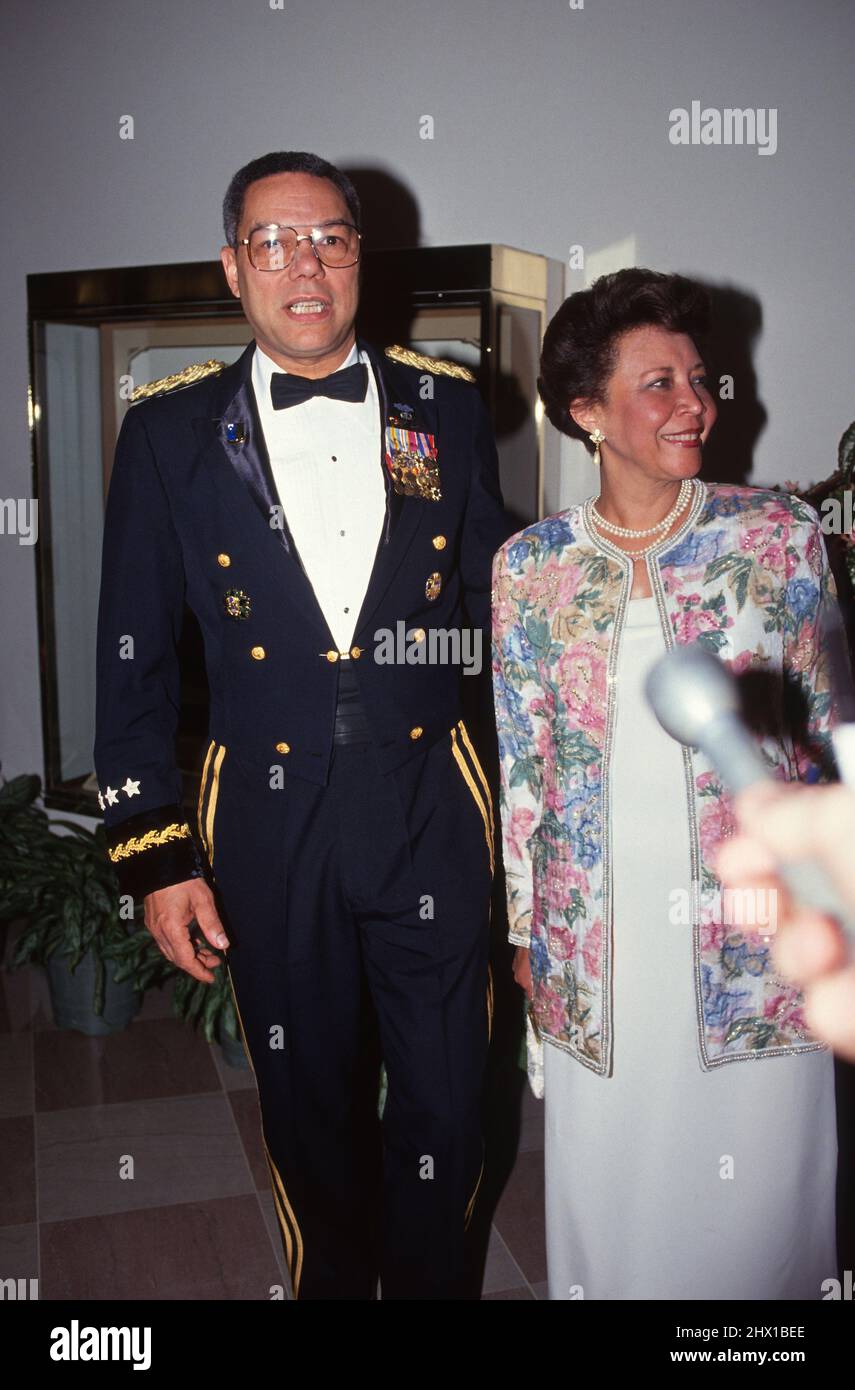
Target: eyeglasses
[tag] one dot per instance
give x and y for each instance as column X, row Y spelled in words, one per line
column 335, row 244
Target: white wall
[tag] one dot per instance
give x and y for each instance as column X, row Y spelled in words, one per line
column 551, row 128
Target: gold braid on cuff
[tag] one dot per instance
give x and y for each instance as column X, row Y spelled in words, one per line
column 138, row 843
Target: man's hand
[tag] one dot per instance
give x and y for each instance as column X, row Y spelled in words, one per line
column 168, row 914
column 522, row 969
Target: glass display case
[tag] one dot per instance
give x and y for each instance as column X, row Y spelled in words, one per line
column 95, row 335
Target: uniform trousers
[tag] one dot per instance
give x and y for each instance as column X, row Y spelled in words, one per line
column 368, row 939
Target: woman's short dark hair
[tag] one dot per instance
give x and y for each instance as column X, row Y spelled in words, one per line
column 283, row 162
column 580, row 345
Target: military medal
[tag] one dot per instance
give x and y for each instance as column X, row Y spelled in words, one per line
column 411, row 458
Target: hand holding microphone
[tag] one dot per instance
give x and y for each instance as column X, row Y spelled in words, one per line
column 798, row 840
column 694, row 697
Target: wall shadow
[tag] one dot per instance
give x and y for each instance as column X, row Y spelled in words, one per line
column 737, row 322
column 391, row 221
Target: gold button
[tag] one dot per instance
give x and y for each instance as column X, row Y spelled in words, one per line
column 224, row 560
column 283, row 748
column 258, row 653
column 356, row 653
column 439, row 542
column 331, row 655
column 416, row 732
column 418, row 634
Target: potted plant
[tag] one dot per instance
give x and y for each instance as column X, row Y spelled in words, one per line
column 830, row 498
column 833, row 498
column 64, row 889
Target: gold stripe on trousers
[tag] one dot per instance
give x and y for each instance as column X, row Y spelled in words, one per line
column 480, row 793
column 470, row 1205
column 291, row 1234
column 207, row 833
column 209, row 787
column 479, row 787
column 200, row 823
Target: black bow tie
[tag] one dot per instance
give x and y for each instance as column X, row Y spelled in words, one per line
column 348, row 384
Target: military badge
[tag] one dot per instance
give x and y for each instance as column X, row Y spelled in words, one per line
column 237, row 603
column 235, row 432
column 405, row 413
column 412, row 462
column 433, row 586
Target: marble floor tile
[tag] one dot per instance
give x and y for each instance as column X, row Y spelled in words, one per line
column 17, row 1166
column 16, row 1074
column 182, row 1149
column 215, row 1249
column 158, row 1058
column 520, row 1218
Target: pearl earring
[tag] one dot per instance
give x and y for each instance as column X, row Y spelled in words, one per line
column 597, row 438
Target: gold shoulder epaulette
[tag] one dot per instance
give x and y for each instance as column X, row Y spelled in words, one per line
column 408, row 358
column 186, row 377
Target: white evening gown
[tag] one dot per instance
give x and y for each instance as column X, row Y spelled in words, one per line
column 636, row 1207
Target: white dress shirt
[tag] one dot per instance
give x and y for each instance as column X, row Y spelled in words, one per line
column 325, row 459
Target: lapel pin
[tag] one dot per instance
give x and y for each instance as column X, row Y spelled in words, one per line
column 235, row 432
column 237, row 603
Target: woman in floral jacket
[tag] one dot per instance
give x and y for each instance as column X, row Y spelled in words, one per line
column 671, row 1171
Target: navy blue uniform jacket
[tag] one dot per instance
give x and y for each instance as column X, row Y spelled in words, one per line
column 189, row 517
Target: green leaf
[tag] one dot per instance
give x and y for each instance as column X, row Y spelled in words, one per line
column 20, row 791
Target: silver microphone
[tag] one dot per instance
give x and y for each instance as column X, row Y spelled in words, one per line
column 695, row 699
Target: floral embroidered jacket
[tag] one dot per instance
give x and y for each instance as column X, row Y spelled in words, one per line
column 747, row 576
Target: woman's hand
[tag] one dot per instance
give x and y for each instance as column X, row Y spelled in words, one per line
column 522, row 969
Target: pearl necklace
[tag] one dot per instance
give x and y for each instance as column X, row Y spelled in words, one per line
column 682, row 499
column 686, row 490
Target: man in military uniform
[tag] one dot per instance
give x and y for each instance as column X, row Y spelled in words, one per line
column 307, row 502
